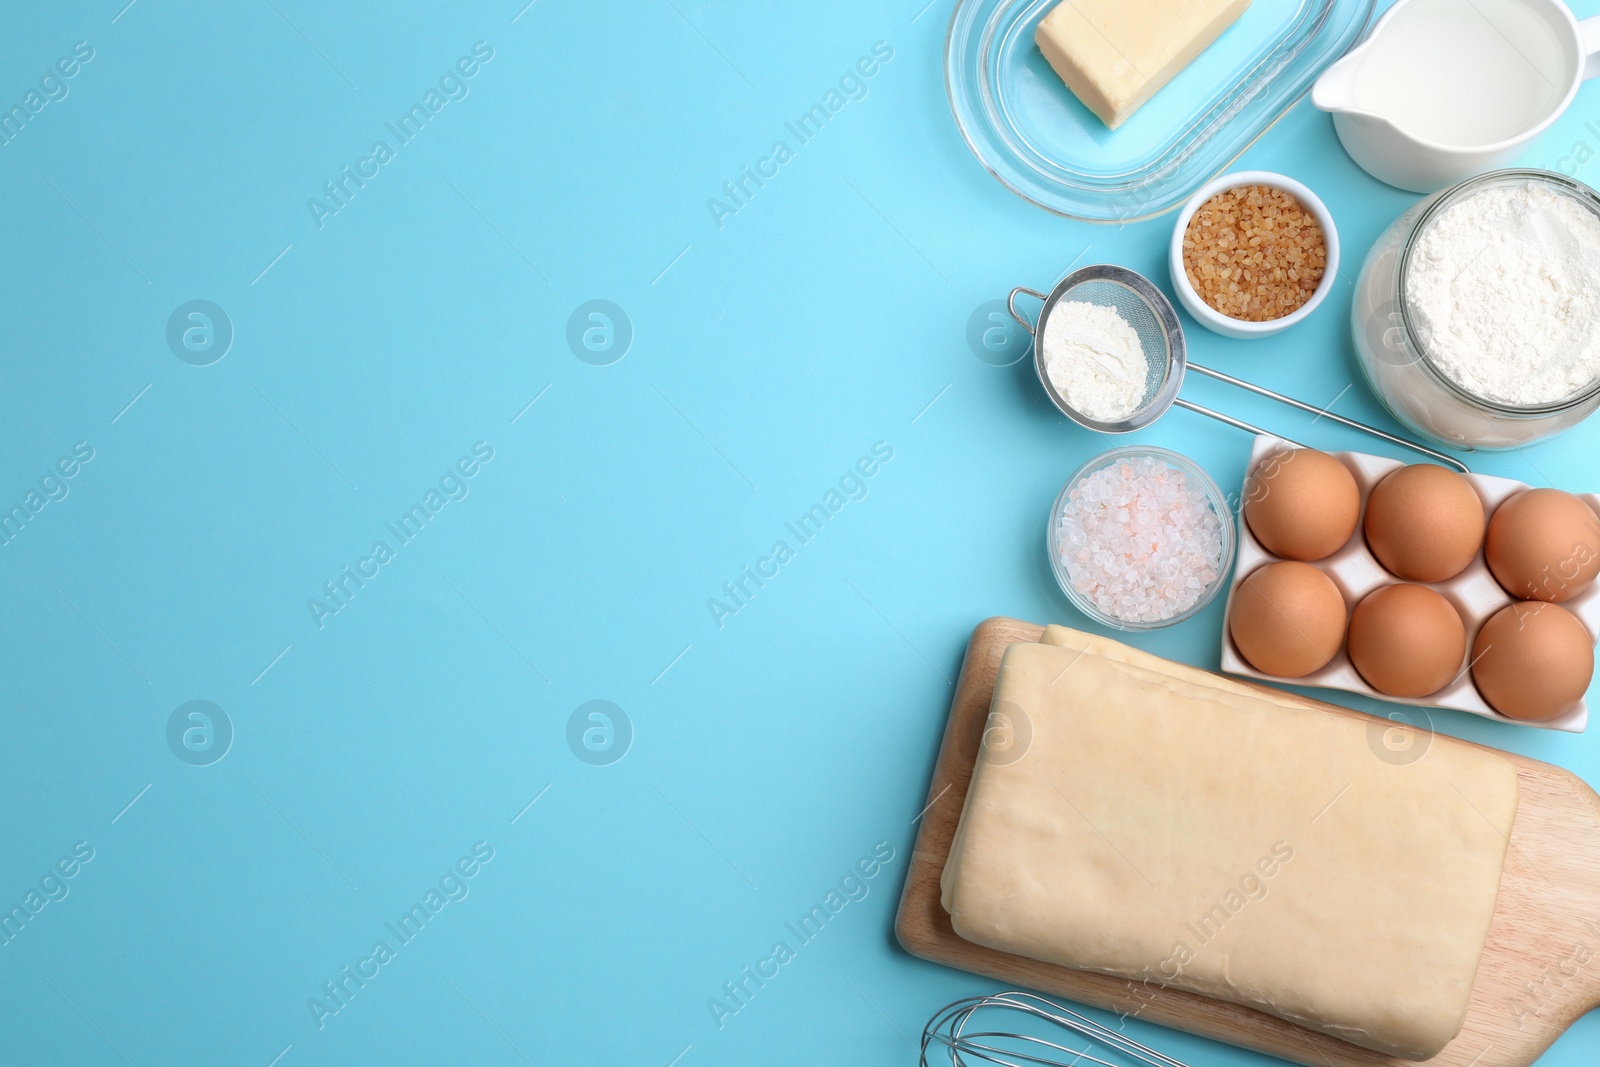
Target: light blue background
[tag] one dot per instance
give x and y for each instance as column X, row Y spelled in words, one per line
column 769, row 755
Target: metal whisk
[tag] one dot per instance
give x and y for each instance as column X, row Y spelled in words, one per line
column 947, row 1032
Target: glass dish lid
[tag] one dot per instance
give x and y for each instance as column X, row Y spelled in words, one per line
column 1029, row 130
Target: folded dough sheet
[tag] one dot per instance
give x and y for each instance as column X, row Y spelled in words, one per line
column 1164, row 824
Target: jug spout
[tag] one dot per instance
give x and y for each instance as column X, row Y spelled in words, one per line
column 1335, row 90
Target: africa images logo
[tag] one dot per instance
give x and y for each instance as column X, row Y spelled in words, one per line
column 737, row 192
column 338, row 192
column 599, row 733
column 52, row 89
column 451, row 887
column 739, row 591
column 199, row 733
column 199, row 333
column 453, row 486
column 53, row 486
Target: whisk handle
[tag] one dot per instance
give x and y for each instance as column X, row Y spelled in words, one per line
column 1011, row 306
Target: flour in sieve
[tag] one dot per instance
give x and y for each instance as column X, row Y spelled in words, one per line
column 1504, row 293
column 1093, row 358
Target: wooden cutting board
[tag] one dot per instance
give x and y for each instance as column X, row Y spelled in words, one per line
column 1541, row 963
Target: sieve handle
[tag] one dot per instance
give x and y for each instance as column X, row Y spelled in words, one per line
column 1011, row 306
column 1324, row 413
column 1231, row 421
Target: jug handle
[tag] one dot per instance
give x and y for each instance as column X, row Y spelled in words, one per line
column 1589, row 40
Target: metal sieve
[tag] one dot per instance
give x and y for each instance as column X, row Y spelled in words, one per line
column 1152, row 316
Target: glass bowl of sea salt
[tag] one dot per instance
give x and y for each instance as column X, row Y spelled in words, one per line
column 1140, row 537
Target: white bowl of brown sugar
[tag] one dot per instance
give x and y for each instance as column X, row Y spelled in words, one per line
column 1253, row 253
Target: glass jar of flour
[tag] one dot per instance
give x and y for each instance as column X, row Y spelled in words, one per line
column 1477, row 312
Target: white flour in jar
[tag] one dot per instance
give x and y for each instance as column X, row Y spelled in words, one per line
column 1504, row 293
column 1093, row 358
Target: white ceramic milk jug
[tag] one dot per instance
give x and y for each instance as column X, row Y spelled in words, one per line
column 1442, row 90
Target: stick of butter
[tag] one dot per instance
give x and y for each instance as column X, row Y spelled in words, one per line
column 1115, row 54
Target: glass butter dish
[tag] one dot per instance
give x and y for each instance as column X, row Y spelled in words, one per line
column 1029, row 130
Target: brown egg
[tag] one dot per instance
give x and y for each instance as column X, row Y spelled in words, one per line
column 1301, row 504
column 1287, row 619
column 1406, row 640
column 1532, row 661
column 1544, row 544
column 1424, row 523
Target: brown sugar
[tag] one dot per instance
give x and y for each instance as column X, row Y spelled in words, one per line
column 1254, row 253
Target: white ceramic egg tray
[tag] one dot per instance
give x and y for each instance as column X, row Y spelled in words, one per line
column 1354, row 569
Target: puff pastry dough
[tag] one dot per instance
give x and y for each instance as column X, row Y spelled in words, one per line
column 1161, row 823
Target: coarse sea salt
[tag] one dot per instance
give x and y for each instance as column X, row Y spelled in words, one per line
column 1139, row 541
